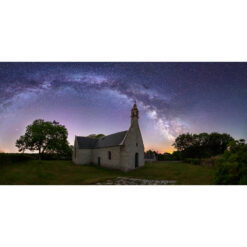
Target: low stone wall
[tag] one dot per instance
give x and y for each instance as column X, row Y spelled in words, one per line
column 135, row 181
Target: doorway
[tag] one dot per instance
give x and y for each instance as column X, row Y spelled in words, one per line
column 98, row 161
column 136, row 160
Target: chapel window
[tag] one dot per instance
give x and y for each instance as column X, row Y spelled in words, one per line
column 109, row 155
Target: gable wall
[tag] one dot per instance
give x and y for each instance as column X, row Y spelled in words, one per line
column 129, row 149
column 81, row 156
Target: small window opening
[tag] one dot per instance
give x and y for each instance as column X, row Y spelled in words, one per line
column 109, row 155
column 137, row 144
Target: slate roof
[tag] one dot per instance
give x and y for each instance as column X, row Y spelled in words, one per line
column 86, row 142
column 106, row 141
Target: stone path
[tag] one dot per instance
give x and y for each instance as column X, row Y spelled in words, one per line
column 135, row 181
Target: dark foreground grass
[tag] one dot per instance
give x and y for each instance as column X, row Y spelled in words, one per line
column 66, row 173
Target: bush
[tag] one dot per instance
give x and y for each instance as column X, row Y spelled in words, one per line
column 57, row 156
column 231, row 168
column 10, row 158
column 14, row 158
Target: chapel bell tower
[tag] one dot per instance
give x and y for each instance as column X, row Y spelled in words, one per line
column 134, row 114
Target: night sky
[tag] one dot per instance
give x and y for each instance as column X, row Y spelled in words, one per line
column 87, row 98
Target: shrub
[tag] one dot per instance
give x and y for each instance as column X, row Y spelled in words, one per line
column 57, row 156
column 9, row 158
column 231, row 168
column 14, row 158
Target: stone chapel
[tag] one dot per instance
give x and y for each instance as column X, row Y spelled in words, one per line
column 123, row 150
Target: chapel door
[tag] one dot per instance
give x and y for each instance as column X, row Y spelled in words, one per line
column 98, row 161
column 136, row 160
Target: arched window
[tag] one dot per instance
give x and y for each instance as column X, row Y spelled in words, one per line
column 109, row 155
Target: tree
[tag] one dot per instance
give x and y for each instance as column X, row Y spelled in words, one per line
column 217, row 143
column 202, row 145
column 176, row 155
column 96, row 136
column 183, row 141
column 44, row 137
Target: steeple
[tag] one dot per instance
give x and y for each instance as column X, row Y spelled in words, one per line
column 134, row 114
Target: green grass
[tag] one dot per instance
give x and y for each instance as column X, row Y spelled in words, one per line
column 66, row 173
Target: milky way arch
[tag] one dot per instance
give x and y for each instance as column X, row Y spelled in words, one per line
column 177, row 97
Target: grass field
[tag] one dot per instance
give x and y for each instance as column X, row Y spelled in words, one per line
column 66, row 173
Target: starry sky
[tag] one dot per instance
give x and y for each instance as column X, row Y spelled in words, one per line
column 172, row 98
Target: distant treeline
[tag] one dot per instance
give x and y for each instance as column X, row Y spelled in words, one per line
column 165, row 156
column 202, row 145
column 196, row 147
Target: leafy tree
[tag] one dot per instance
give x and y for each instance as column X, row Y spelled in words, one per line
column 231, row 168
column 218, row 143
column 44, row 137
column 176, row 155
column 96, row 136
column 183, row 141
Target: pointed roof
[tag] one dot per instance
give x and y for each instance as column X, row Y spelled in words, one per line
column 115, row 139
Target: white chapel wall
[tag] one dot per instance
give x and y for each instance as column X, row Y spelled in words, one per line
column 104, row 159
